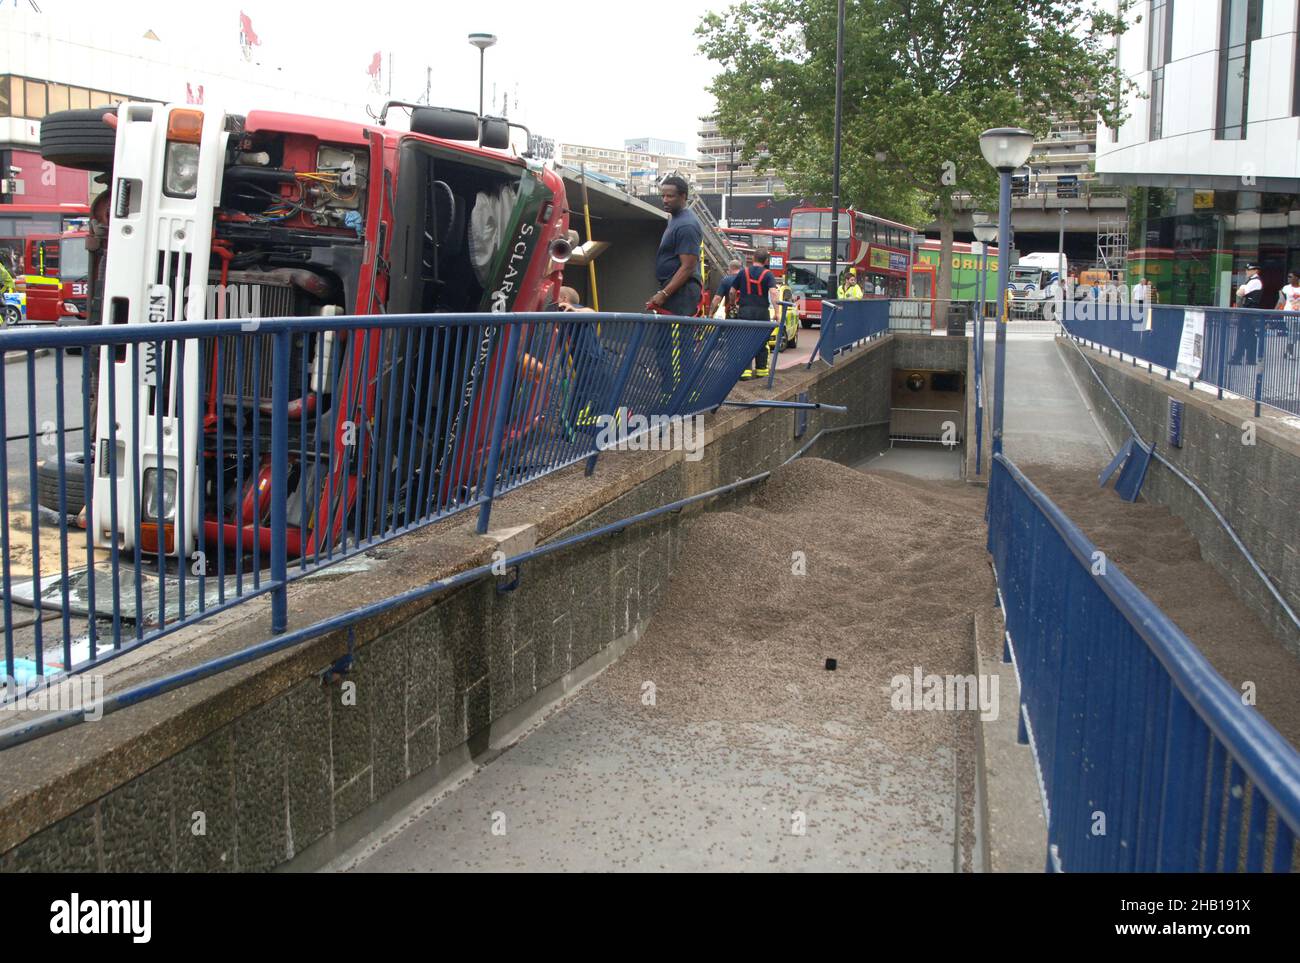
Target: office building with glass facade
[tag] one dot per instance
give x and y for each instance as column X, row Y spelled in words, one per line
column 1209, row 145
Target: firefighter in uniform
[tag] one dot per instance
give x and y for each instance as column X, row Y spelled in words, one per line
column 725, row 293
column 754, row 286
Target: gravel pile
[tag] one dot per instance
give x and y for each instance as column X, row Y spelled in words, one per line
column 895, row 568
column 1156, row 551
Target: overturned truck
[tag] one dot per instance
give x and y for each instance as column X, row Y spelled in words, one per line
column 208, row 215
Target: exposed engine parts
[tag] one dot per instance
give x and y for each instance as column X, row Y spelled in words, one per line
column 295, row 182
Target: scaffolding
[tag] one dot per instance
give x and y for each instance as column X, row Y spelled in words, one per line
column 1112, row 247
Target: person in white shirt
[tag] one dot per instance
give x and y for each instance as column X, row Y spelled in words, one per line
column 1142, row 291
column 1288, row 299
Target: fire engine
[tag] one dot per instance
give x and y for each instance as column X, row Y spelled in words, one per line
column 57, row 279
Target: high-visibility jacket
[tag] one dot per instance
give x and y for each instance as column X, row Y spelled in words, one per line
column 850, row 291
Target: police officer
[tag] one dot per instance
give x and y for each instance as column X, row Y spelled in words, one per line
column 1249, row 295
column 754, row 285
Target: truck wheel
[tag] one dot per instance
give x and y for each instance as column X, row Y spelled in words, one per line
column 47, row 483
column 79, row 139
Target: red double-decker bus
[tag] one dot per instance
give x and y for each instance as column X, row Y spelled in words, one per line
column 876, row 248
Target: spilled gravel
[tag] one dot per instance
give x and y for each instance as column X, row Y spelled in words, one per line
column 880, row 572
column 1154, row 548
column 719, row 741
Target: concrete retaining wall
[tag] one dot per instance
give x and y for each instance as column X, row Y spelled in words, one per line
column 930, row 352
column 1256, row 486
column 428, row 690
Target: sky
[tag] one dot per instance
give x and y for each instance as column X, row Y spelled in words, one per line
column 581, row 71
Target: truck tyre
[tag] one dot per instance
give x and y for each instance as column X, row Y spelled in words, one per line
column 79, row 139
column 47, row 483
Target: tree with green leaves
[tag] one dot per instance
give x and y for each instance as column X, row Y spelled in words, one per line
column 922, row 80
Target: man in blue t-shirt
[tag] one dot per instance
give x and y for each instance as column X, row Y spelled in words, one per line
column 677, row 263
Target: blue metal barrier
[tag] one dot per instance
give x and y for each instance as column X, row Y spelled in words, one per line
column 1251, row 353
column 1149, row 760
column 846, row 323
column 1135, row 439
column 229, row 458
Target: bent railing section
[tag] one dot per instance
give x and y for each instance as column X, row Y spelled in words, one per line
column 223, row 459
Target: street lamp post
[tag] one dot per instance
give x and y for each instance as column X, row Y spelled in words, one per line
column 1060, row 248
column 482, row 41
column 1005, row 148
column 986, row 233
column 832, row 283
column 731, row 180
column 912, row 240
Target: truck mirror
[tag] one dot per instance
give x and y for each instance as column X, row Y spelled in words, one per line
column 494, row 133
column 445, row 123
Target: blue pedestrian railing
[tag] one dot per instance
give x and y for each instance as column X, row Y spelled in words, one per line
column 221, row 460
column 849, row 322
column 1148, row 759
column 1250, row 353
column 930, row 315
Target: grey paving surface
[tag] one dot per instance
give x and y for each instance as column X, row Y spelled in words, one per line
column 46, row 414
column 918, row 460
column 588, row 792
column 1017, row 830
column 1046, row 420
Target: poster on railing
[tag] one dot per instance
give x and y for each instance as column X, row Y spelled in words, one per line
column 1191, row 347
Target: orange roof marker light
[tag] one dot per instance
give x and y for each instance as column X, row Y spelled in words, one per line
column 185, row 125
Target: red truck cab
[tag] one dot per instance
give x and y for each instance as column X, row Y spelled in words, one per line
column 271, row 214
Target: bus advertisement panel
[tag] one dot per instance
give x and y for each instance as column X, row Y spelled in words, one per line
column 965, row 269
column 748, row 240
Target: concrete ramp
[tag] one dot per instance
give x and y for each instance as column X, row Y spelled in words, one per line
column 591, row 791
column 721, row 740
column 1045, row 419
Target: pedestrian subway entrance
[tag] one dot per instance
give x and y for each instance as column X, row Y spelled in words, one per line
column 720, row 739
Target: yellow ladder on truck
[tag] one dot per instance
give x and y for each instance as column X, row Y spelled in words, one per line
column 717, row 248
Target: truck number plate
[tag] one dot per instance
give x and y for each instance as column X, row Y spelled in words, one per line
column 159, row 296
